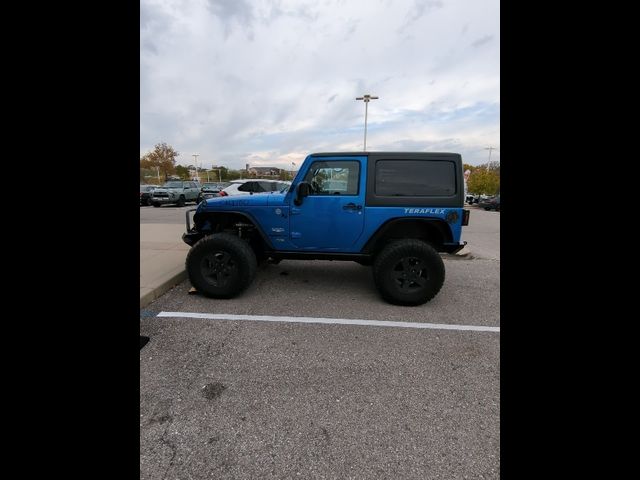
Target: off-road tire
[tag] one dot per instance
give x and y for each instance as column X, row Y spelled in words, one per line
column 408, row 272
column 181, row 201
column 221, row 265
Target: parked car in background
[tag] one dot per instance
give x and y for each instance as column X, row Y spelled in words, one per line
column 211, row 189
column 145, row 194
column 251, row 186
column 491, row 203
column 472, row 198
column 176, row 192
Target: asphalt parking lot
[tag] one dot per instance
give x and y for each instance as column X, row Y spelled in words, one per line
column 232, row 398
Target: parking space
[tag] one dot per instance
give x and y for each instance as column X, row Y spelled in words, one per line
column 253, row 390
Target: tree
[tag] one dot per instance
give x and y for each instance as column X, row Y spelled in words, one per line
column 163, row 157
column 485, row 181
column 182, row 172
column 233, row 174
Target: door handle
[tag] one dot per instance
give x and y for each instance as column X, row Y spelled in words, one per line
column 352, row 206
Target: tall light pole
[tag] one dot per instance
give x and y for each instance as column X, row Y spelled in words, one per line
column 490, row 149
column 366, row 99
column 196, row 155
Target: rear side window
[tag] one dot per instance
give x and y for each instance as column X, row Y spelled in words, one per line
column 247, row 187
column 415, row 178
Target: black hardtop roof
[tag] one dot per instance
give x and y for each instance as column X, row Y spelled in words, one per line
column 391, row 155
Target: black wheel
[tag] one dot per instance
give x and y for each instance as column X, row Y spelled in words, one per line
column 221, row 265
column 156, row 204
column 199, row 199
column 181, row 201
column 408, row 272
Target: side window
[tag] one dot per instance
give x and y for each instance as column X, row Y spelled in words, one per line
column 334, row 177
column 246, row 187
column 415, row 178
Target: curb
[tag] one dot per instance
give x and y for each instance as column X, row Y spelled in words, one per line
column 161, row 289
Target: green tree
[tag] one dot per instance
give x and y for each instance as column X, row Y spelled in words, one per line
column 182, row 172
column 234, row 175
column 485, row 181
column 163, row 157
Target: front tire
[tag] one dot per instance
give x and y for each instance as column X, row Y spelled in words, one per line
column 156, row 204
column 408, row 272
column 181, row 201
column 221, row 265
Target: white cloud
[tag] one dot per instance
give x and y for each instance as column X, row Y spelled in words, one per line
column 272, row 81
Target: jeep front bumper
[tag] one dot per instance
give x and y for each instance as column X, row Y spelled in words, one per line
column 191, row 236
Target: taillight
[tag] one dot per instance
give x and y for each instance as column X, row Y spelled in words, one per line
column 465, row 217
column 223, row 194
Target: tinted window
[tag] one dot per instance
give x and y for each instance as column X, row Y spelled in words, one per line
column 415, row 178
column 334, row 177
column 247, row 187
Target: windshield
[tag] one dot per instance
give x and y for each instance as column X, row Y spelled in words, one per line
column 172, row 185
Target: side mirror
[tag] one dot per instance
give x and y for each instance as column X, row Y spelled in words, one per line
column 302, row 190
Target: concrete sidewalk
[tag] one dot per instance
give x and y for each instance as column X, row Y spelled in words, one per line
column 162, row 257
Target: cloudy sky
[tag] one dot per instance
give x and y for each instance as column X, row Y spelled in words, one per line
column 267, row 82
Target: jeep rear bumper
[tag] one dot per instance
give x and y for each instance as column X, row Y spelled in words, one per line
column 453, row 247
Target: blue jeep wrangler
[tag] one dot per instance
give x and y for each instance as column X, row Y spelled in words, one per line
column 395, row 211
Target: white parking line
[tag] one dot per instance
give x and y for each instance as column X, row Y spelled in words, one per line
column 340, row 321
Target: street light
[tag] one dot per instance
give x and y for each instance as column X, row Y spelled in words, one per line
column 490, row 149
column 366, row 99
column 196, row 155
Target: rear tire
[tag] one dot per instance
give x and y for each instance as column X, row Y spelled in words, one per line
column 408, row 272
column 221, row 265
